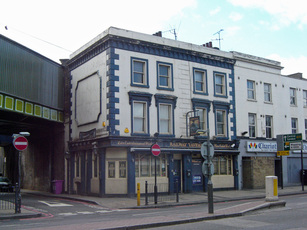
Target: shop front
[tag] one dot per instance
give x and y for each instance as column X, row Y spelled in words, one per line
column 115, row 165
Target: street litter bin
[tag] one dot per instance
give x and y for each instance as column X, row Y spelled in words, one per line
column 57, row 186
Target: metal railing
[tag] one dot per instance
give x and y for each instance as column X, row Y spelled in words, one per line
column 11, row 200
column 163, row 193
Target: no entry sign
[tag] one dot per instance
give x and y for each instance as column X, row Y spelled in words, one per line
column 20, row 143
column 155, row 149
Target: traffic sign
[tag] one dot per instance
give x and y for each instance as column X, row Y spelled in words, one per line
column 292, row 137
column 204, row 150
column 207, row 168
column 20, row 143
column 282, row 153
column 155, row 150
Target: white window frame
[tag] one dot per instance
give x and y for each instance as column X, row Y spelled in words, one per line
column 149, row 161
column 202, row 113
column 143, row 72
column 305, row 98
column 294, row 125
column 252, row 125
column 219, row 123
column 251, row 91
column 293, row 100
column 143, row 118
column 269, row 134
column 202, row 81
column 267, row 92
column 168, row 76
column 218, row 165
column 168, row 119
column 220, row 85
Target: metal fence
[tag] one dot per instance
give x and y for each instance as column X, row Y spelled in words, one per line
column 11, row 200
column 163, row 194
column 7, row 200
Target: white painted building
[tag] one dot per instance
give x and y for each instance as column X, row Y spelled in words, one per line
column 125, row 88
column 267, row 104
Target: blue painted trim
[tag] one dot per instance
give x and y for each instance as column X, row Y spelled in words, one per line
column 102, row 172
column 148, row 48
column 112, row 90
column 171, row 86
column 233, row 105
column 187, row 180
column 146, row 72
column 170, row 168
column 225, row 84
column 166, row 99
column 130, row 173
column 205, row 81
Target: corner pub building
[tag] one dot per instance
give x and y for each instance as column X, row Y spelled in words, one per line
column 130, row 90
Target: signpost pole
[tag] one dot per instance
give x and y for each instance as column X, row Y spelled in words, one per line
column 156, row 189
column 210, row 185
column 302, row 167
column 19, row 176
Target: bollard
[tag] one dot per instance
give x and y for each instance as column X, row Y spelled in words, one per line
column 271, row 188
column 138, row 194
column 146, row 193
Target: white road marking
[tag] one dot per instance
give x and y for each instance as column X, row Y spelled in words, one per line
column 54, row 204
column 68, row 214
column 86, row 213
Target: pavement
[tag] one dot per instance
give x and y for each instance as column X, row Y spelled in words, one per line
column 251, row 200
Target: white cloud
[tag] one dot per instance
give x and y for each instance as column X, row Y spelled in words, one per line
column 215, row 11
column 284, row 11
column 234, row 16
column 232, row 31
column 291, row 64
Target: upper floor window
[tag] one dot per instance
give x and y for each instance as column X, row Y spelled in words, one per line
column 221, row 123
column 202, row 106
column 200, row 81
column 306, row 129
column 166, row 105
column 219, row 84
column 305, row 98
column 139, row 117
column 252, row 124
column 139, row 72
column 165, row 76
column 267, row 92
column 294, row 125
column 292, row 96
column 221, row 110
column 140, row 103
column 268, row 126
column 251, row 90
column 202, row 113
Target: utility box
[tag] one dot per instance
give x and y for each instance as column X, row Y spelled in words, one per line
column 271, row 188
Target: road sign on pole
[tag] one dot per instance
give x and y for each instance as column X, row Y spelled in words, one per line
column 20, row 143
column 155, row 150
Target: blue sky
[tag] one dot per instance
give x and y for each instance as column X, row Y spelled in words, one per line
column 275, row 29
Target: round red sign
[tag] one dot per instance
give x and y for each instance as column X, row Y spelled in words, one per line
column 20, row 143
column 155, row 149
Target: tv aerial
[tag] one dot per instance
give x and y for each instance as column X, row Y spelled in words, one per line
column 219, row 39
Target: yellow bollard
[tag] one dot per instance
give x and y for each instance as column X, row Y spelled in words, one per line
column 138, row 194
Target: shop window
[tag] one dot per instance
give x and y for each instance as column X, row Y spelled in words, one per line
column 122, row 169
column 222, row 165
column 111, row 169
column 145, row 165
